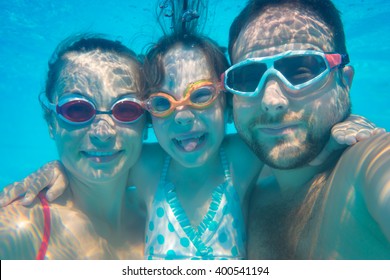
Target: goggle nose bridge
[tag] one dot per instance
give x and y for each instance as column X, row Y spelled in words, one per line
column 273, row 73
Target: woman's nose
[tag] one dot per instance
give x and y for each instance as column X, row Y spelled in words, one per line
column 102, row 130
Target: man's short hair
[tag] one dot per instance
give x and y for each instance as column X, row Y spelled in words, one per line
column 324, row 9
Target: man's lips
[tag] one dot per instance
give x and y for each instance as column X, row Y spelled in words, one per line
column 101, row 156
column 278, row 129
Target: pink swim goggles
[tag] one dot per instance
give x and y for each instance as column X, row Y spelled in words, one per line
column 78, row 110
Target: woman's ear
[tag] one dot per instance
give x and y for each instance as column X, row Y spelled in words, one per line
column 347, row 75
column 52, row 126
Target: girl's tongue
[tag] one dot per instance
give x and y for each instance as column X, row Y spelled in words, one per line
column 189, row 144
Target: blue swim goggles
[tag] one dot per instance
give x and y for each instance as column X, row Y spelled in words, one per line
column 297, row 69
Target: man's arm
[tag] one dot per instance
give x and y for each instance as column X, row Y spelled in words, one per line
column 366, row 166
column 374, row 180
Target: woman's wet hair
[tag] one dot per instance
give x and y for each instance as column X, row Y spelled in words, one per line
column 84, row 43
column 324, row 9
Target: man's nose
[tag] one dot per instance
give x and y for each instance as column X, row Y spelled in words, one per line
column 274, row 101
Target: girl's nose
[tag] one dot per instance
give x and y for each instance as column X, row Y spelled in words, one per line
column 184, row 116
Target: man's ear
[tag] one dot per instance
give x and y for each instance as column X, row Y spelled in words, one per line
column 347, row 75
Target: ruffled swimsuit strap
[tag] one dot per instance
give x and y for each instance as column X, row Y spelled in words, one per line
column 46, row 228
column 164, row 171
column 225, row 166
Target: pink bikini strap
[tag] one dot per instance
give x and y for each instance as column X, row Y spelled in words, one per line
column 46, row 228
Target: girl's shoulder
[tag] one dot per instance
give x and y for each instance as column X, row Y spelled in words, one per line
column 245, row 167
column 238, row 152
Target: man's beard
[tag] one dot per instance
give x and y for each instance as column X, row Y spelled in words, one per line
column 287, row 153
column 297, row 149
column 292, row 150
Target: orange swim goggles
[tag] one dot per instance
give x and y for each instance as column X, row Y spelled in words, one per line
column 198, row 95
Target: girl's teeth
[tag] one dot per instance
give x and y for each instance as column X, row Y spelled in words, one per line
column 100, row 154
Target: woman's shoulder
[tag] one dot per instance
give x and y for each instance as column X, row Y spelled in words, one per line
column 20, row 229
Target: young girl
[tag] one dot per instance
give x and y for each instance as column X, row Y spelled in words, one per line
column 194, row 201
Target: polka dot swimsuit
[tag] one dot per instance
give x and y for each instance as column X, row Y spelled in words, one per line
column 220, row 235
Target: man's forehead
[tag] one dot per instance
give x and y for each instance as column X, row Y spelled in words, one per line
column 278, row 28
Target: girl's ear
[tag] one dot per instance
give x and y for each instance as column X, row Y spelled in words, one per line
column 229, row 113
column 148, row 125
column 145, row 132
column 229, row 107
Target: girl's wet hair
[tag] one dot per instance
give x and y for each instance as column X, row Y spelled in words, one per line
column 187, row 34
column 182, row 16
column 84, row 43
column 154, row 66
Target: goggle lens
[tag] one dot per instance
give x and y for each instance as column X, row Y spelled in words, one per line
column 127, row 111
column 202, row 95
column 159, row 104
column 77, row 111
column 247, row 77
column 300, row 69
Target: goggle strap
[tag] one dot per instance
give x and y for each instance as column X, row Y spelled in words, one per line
column 46, row 103
column 222, row 82
column 344, row 59
column 337, row 60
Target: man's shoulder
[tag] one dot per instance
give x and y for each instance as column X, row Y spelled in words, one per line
column 359, row 163
column 363, row 154
column 351, row 192
column 369, row 147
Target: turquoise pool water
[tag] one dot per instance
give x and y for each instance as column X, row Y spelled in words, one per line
column 30, row 30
